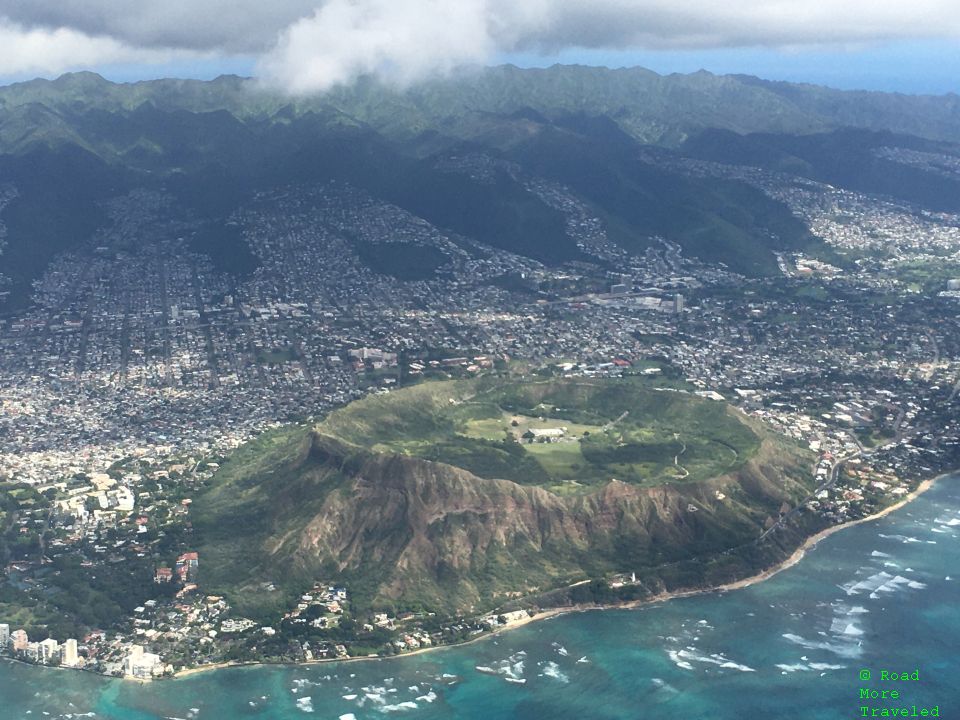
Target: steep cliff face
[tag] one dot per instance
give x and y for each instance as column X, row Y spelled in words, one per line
column 408, row 532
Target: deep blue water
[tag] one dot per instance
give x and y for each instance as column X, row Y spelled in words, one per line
column 883, row 595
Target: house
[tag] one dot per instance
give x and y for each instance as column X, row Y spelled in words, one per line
column 187, row 566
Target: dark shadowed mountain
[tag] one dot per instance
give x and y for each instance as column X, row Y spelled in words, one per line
column 71, row 144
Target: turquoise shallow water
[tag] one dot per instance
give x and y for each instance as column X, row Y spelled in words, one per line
column 880, row 595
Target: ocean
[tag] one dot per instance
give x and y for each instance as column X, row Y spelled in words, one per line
column 879, row 597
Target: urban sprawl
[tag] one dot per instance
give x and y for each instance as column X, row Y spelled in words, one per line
column 141, row 365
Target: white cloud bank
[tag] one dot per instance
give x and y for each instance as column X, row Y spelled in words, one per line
column 51, row 51
column 312, row 45
column 402, row 40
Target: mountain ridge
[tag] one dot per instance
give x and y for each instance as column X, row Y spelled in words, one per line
column 653, row 108
column 212, row 146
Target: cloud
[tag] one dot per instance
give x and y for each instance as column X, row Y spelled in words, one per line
column 401, row 40
column 229, row 26
column 700, row 24
column 407, row 40
column 41, row 51
column 312, row 45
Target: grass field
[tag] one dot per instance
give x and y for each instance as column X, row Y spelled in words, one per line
column 562, row 462
column 496, row 428
column 611, row 429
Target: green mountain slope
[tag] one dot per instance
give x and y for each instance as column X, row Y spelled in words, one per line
column 213, row 162
column 58, row 208
column 404, row 531
column 715, row 220
column 663, row 109
column 71, row 144
column 845, row 158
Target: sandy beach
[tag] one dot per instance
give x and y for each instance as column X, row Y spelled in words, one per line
column 546, row 614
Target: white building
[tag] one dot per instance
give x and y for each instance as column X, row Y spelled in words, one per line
column 69, row 656
column 124, row 498
column 19, row 640
column 141, row 665
column 4, row 636
column 547, row 433
column 49, row 650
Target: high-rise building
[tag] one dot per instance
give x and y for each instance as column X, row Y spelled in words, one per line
column 140, row 664
column 69, row 656
column 49, row 650
column 19, row 640
column 4, row 636
column 678, row 303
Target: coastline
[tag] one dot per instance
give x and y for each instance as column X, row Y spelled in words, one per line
column 813, row 540
column 549, row 613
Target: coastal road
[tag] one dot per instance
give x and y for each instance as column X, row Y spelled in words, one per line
column 828, row 484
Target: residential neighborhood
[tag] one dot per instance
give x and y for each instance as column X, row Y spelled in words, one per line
column 141, row 366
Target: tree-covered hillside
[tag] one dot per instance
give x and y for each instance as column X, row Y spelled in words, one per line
column 68, row 147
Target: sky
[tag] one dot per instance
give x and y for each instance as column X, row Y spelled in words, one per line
column 310, row 46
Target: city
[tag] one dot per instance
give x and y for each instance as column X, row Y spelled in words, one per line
column 141, row 365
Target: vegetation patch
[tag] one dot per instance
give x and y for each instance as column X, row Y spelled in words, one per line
column 564, row 434
column 404, row 261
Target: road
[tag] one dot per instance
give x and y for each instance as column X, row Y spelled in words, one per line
column 828, row 484
column 614, row 422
